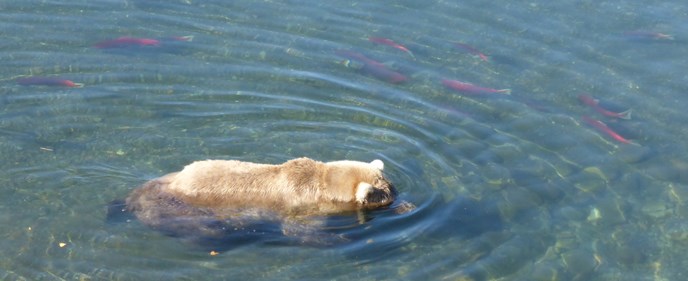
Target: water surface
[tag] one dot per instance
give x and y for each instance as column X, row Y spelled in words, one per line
column 513, row 187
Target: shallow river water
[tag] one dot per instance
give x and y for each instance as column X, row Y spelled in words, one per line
column 533, row 183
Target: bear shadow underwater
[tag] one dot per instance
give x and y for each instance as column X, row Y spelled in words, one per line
column 390, row 228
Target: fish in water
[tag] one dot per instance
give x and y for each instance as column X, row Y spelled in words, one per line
column 469, row 88
column 373, row 67
column 127, row 42
column 48, row 81
column 602, row 127
column 133, row 45
column 605, row 108
column 471, row 50
column 391, row 43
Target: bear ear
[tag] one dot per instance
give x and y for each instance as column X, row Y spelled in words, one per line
column 378, row 164
column 362, row 191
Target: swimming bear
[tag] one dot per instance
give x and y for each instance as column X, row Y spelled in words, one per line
column 223, row 202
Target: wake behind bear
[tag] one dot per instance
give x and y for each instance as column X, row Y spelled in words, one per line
column 219, row 203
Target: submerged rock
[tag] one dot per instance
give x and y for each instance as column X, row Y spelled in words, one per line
column 546, row 271
column 579, row 263
column 676, row 230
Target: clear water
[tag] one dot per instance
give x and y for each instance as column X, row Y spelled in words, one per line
column 508, row 187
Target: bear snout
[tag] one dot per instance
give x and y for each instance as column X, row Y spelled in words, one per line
column 382, row 194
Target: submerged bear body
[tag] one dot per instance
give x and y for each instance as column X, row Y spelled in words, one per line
column 214, row 199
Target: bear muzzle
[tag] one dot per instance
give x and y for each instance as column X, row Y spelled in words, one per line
column 379, row 194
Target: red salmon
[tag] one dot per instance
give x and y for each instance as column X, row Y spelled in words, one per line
column 48, row 81
column 391, row 43
column 471, row 50
column 469, row 88
column 127, row 42
column 373, row 67
column 599, row 125
column 605, row 109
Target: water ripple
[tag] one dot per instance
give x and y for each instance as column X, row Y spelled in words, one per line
column 513, row 187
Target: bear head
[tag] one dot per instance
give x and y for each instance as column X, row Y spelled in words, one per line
column 361, row 182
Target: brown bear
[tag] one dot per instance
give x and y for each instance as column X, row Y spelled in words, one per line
column 211, row 198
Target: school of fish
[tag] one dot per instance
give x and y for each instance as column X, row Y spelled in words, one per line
column 613, row 113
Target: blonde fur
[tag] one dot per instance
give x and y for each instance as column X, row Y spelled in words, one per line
column 297, row 187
